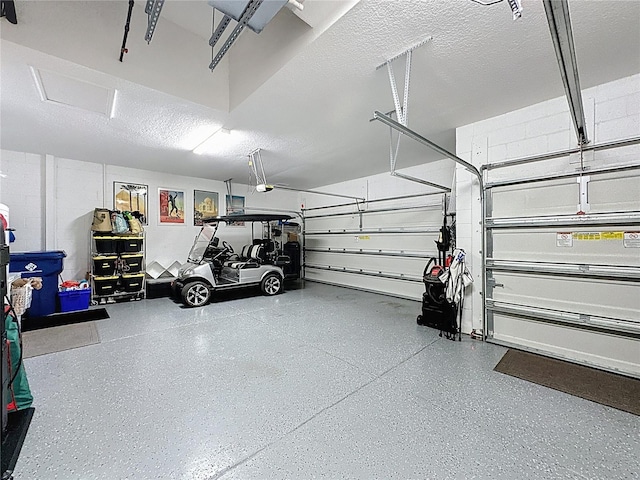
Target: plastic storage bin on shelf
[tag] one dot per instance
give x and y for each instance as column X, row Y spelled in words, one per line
column 104, row 265
column 132, row 283
column 105, row 285
column 72, row 300
column 47, row 265
column 132, row 263
column 106, row 244
column 130, row 244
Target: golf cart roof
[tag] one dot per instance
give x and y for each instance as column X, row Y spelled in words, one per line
column 248, row 217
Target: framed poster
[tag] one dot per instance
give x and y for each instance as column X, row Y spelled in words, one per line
column 205, row 205
column 235, row 206
column 131, row 197
column 171, row 203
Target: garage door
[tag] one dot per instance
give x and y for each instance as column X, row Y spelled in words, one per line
column 381, row 246
column 561, row 283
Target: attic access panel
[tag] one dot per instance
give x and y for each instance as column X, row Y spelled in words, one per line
column 265, row 13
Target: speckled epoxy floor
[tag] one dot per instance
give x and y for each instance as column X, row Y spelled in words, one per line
column 321, row 382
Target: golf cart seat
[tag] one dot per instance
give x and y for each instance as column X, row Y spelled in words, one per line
column 251, row 256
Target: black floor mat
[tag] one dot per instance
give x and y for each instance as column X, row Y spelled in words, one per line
column 613, row 390
column 55, row 320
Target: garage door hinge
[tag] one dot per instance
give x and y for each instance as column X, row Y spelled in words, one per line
column 585, row 318
column 583, row 268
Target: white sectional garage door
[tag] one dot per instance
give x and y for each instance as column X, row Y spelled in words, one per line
column 563, row 284
column 382, row 246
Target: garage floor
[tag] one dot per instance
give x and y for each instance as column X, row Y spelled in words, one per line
column 321, row 382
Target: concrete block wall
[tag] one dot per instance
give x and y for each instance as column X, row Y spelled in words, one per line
column 612, row 112
column 21, row 189
column 51, row 202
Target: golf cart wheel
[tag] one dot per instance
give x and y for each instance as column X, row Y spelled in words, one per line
column 271, row 284
column 195, row 294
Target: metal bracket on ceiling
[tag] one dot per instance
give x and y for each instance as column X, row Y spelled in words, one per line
column 152, row 9
column 256, row 168
column 228, row 185
column 401, row 112
column 516, row 7
column 560, row 27
column 248, row 12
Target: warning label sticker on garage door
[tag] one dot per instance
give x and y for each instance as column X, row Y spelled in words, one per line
column 598, row 235
column 564, row 239
column 631, row 240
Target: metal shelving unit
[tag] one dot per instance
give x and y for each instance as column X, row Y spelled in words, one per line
column 121, row 280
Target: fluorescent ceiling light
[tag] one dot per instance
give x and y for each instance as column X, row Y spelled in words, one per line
column 204, row 146
column 113, row 104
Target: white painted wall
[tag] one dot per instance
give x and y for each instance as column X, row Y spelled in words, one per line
column 51, row 203
column 612, row 112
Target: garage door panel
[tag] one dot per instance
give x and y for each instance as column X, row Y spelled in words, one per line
column 554, row 198
column 600, row 349
column 596, row 297
column 583, row 272
column 403, row 218
column 393, row 242
column 619, row 192
column 346, row 222
column 395, row 265
column 537, row 245
column 404, row 289
column 383, row 248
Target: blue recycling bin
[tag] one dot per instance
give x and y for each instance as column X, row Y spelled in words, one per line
column 48, row 266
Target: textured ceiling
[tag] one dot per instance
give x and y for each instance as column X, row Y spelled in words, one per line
column 309, row 110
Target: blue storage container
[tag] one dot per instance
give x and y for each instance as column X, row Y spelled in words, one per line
column 47, row 265
column 72, row 300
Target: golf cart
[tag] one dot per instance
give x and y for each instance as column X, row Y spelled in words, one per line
column 213, row 265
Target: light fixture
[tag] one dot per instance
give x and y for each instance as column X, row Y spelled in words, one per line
column 204, row 146
column 263, row 187
column 112, row 113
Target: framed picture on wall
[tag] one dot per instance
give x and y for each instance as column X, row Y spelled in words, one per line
column 131, row 197
column 235, row 206
column 205, row 205
column 171, row 206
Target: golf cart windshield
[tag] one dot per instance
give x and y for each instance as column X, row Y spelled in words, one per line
column 202, row 242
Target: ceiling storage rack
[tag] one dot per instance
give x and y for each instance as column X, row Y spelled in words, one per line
column 117, row 267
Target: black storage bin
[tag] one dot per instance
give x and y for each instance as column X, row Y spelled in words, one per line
column 105, row 285
column 441, row 317
column 437, row 312
column 292, row 250
column 132, row 283
column 130, row 244
column 106, row 244
column 131, row 263
column 104, row 266
column 158, row 288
